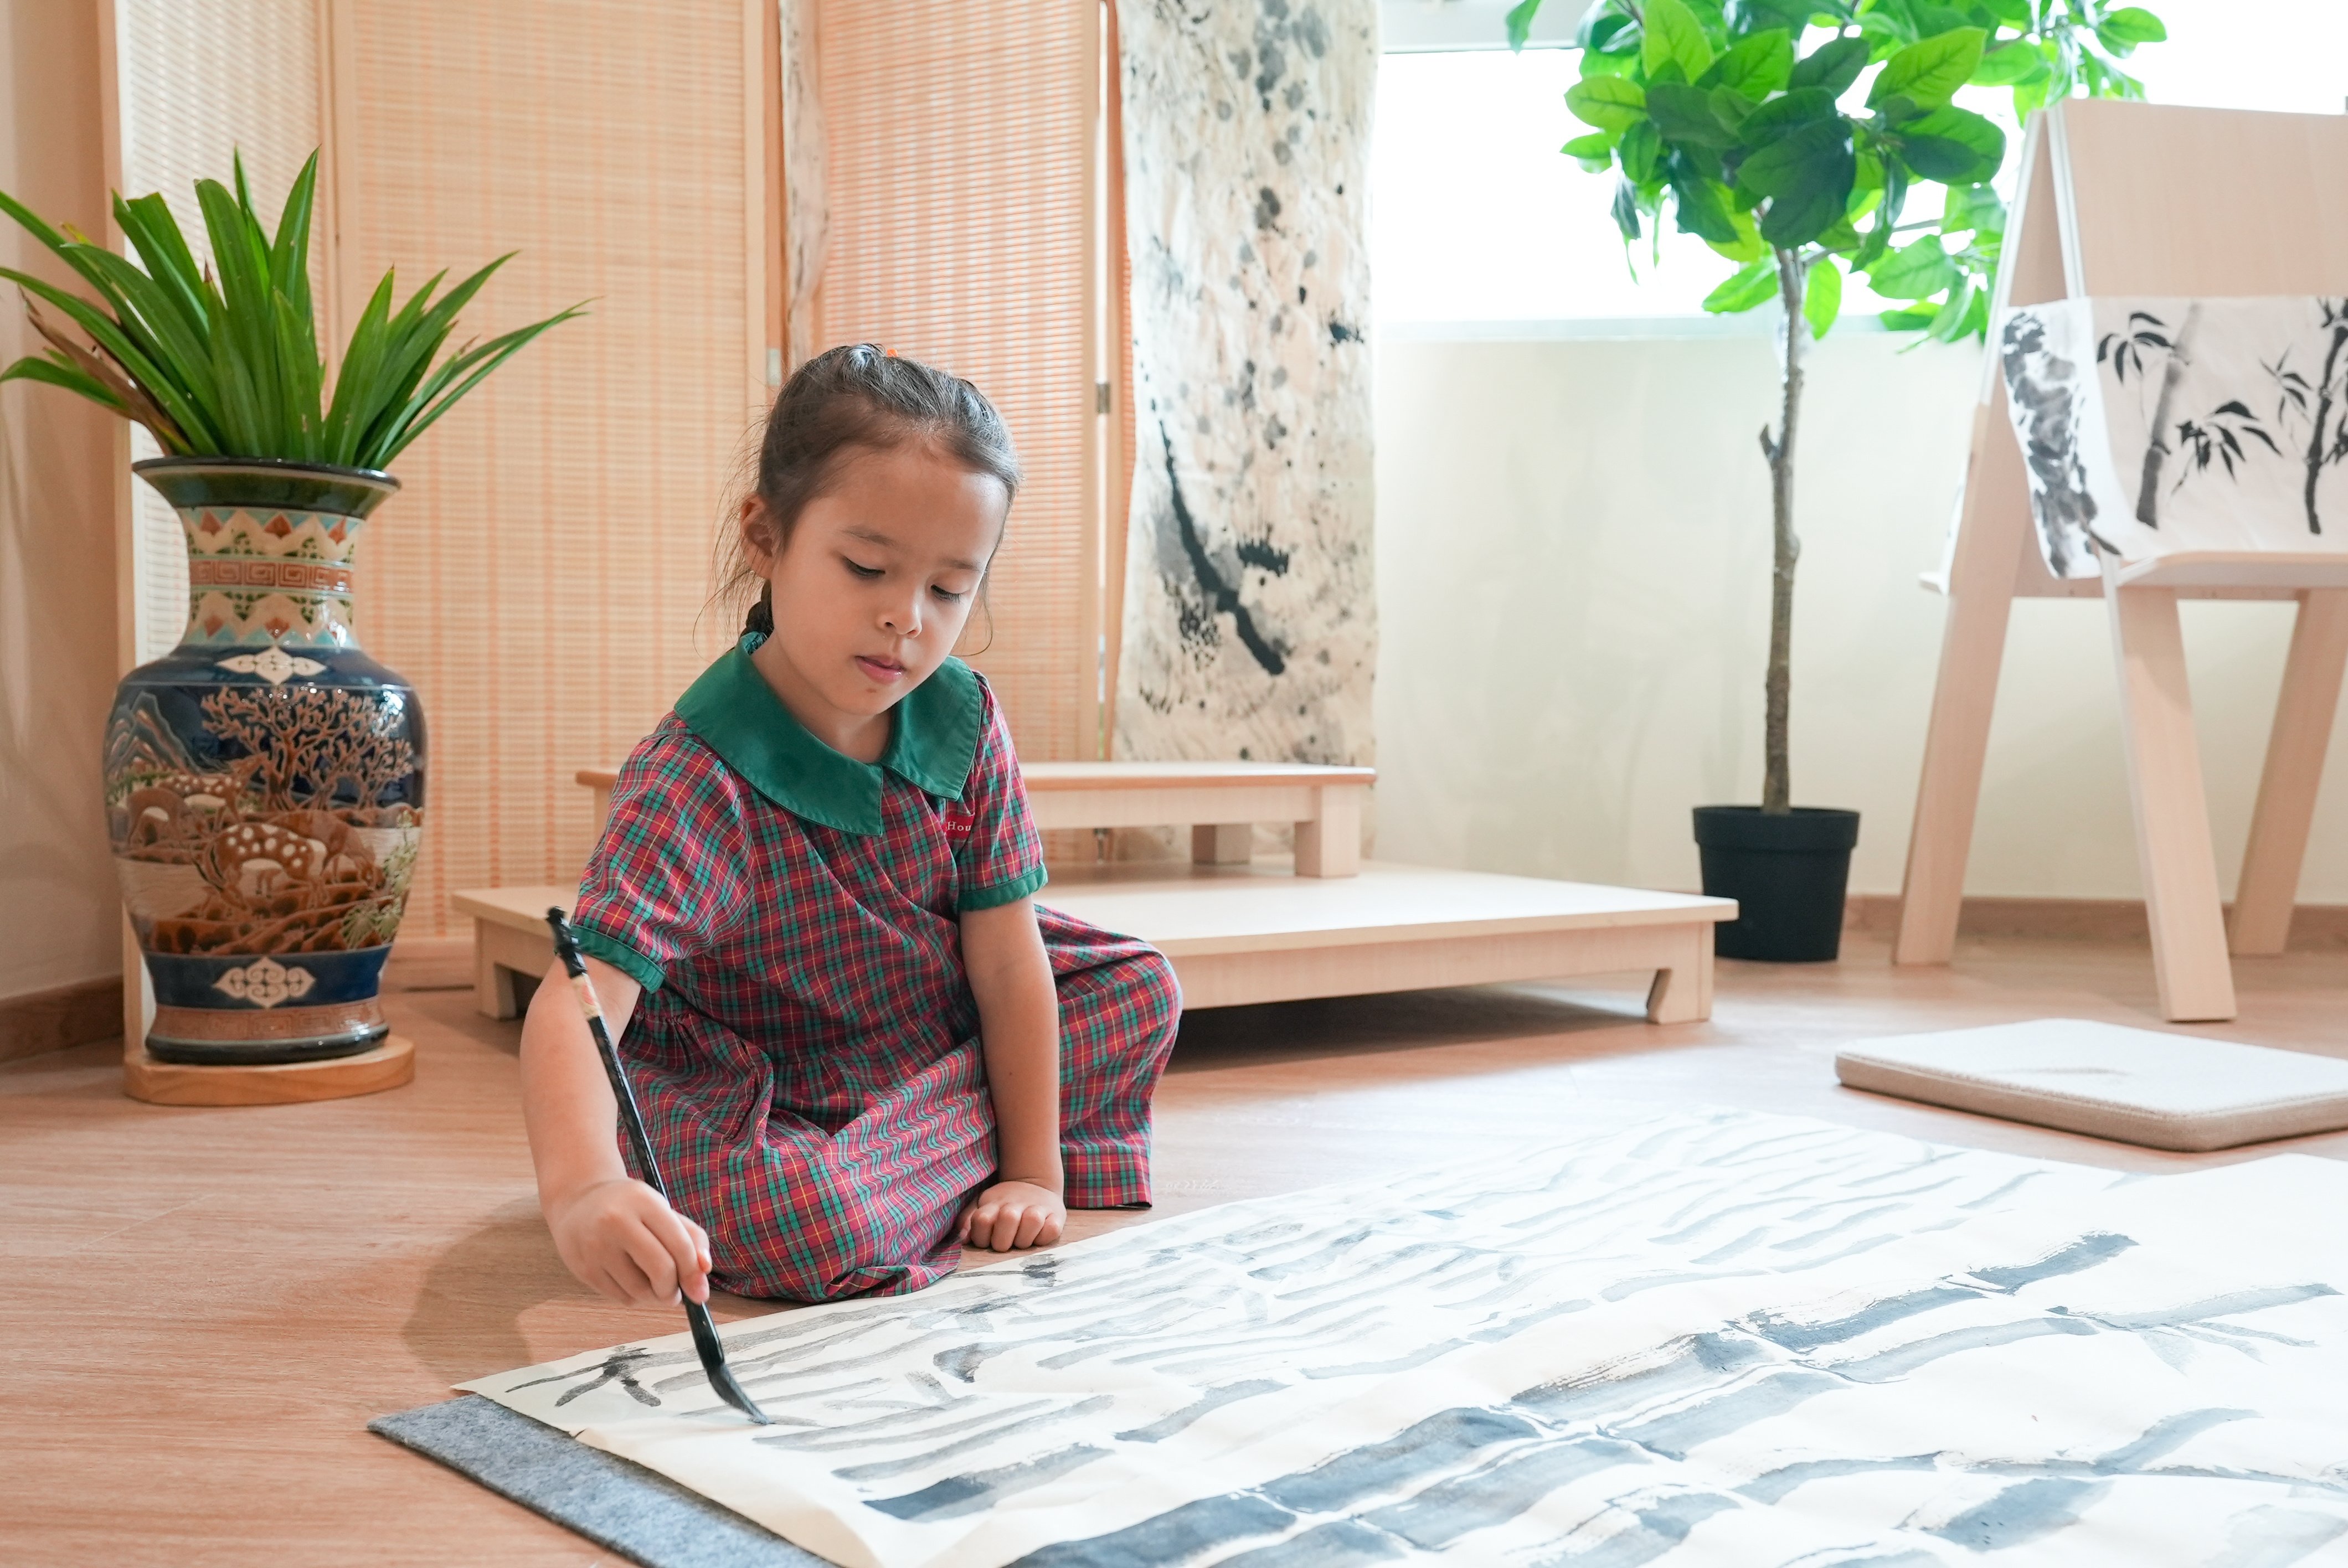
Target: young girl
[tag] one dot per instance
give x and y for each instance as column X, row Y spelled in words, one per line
column 856, row 1041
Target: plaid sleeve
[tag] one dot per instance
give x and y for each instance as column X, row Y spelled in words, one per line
column 668, row 879
column 1002, row 857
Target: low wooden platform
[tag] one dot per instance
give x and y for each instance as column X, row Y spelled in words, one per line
column 1254, row 933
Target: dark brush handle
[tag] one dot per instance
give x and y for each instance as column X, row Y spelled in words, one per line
column 566, row 947
column 707, row 1342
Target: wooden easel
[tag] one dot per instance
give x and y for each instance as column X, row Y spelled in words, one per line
column 2122, row 199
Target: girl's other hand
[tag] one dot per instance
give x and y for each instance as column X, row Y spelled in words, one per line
column 1013, row 1214
column 619, row 1237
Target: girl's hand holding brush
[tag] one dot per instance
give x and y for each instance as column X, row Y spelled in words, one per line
column 620, row 1236
column 616, row 1234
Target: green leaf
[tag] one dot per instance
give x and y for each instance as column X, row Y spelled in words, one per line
column 1894, row 200
column 1642, row 149
column 1609, row 103
column 1730, row 107
column 1832, row 67
column 1818, row 153
column 289, row 255
column 2124, row 29
column 1916, row 271
column 1520, row 23
column 1675, row 38
column 244, row 356
column 1799, row 217
column 1703, row 208
column 443, row 389
column 1906, row 321
column 1950, row 322
column 1625, row 210
column 1953, row 146
column 56, row 374
column 151, row 318
column 1684, row 114
column 107, row 334
column 226, row 362
column 1972, row 208
column 1803, row 106
column 1753, row 284
column 1929, row 72
column 1822, row 295
column 1840, row 236
column 1792, row 16
column 1806, row 176
column 2014, row 61
column 1748, row 245
column 1602, row 27
column 1595, row 151
column 147, row 223
column 360, row 375
column 1754, row 66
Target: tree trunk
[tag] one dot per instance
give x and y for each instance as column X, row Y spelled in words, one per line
column 1777, row 780
column 2180, row 360
column 2318, row 441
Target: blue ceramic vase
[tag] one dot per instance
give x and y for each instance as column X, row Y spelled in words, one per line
column 265, row 780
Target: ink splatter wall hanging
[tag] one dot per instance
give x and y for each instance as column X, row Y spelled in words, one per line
column 1250, row 619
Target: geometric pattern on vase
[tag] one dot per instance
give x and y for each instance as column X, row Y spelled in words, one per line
column 265, row 780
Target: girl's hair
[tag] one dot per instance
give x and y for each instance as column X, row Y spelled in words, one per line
column 860, row 397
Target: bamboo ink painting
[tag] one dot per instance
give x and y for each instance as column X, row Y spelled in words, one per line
column 2150, row 426
column 1710, row 1337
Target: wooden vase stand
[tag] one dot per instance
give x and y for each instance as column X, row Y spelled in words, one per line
column 387, row 1066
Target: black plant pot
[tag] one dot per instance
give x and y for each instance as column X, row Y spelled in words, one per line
column 1786, row 874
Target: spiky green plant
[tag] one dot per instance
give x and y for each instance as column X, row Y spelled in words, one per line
column 228, row 366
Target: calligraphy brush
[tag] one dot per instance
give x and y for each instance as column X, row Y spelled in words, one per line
column 712, row 1349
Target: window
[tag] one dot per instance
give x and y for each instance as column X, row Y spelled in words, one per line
column 1478, row 225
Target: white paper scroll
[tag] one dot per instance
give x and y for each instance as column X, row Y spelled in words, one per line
column 2157, row 426
column 1712, row 1338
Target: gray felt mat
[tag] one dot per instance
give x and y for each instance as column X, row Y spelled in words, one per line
column 637, row 1512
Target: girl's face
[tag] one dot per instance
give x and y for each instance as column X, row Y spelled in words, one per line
column 873, row 590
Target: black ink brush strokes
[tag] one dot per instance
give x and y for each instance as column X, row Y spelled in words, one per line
column 2321, row 407
column 962, row 1494
column 2041, row 385
column 620, row 1367
column 1471, row 1468
column 2216, row 437
column 1223, row 598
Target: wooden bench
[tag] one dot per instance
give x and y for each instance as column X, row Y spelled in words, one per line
column 1240, row 930
column 1220, row 803
column 1239, row 934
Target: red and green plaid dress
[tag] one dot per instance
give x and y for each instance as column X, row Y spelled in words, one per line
column 807, row 1049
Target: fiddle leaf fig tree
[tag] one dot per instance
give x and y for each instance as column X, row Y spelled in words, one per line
column 1791, row 135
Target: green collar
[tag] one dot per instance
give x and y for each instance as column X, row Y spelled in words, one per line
column 932, row 744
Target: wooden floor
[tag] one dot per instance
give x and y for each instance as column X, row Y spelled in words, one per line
column 203, row 1308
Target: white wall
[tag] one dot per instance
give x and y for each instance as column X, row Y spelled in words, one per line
column 1573, row 575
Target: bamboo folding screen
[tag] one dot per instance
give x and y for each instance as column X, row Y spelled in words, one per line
column 962, row 202
column 544, row 575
